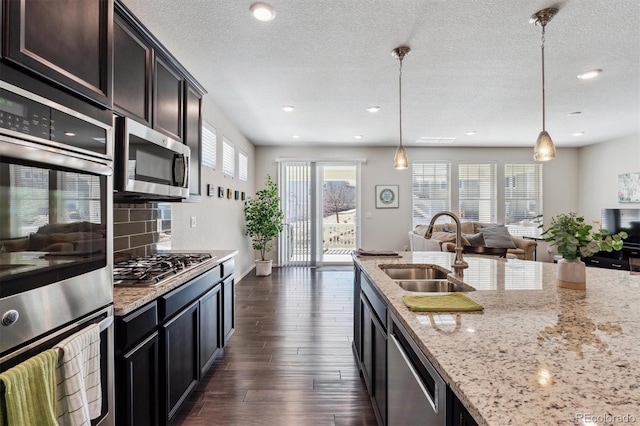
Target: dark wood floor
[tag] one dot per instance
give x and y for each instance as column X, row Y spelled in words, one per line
column 290, row 360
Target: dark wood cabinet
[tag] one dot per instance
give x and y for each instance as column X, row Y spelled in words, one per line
column 210, row 330
column 67, row 42
column 137, row 384
column 179, row 339
column 137, row 367
column 192, row 137
column 374, row 358
column 228, row 295
column 457, row 414
column 133, row 60
column 168, row 100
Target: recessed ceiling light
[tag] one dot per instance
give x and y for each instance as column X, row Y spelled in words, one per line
column 578, row 133
column 357, row 137
column 374, row 108
column 69, row 134
column 574, row 113
column 589, row 74
column 262, row 12
column 471, row 133
column 296, row 136
column 288, row 108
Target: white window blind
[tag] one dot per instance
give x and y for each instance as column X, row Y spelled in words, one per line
column 431, row 190
column 243, row 166
column 523, row 198
column 209, row 146
column 477, row 192
column 228, row 157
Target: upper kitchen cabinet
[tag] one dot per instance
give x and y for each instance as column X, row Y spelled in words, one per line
column 168, row 100
column 132, row 72
column 192, row 137
column 67, row 42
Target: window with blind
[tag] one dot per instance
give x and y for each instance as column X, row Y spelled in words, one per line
column 228, row 157
column 523, row 198
column 477, row 192
column 243, row 166
column 431, row 190
column 209, row 146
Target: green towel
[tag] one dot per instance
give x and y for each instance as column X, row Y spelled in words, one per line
column 453, row 302
column 29, row 394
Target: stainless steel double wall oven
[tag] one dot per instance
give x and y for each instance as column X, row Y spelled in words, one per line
column 56, row 242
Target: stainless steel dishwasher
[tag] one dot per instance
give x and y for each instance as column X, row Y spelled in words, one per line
column 416, row 392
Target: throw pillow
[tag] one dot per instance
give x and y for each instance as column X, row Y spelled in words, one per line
column 448, row 237
column 421, row 230
column 476, row 240
column 498, row 237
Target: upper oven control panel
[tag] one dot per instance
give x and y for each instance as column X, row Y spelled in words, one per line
column 23, row 115
column 29, row 116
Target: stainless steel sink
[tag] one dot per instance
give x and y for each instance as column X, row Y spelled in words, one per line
column 428, row 272
column 429, row 286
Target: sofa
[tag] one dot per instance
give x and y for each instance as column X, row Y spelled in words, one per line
column 443, row 238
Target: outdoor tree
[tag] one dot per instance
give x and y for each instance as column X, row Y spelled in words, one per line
column 338, row 197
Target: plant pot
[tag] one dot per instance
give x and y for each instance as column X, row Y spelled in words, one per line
column 263, row 267
column 571, row 274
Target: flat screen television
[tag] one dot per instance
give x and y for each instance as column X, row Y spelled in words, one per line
column 628, row 220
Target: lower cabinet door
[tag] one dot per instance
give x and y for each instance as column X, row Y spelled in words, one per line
column 229, row 316
column 180, row 363
column 379, row 379
column 137, row 382
column 210, row 335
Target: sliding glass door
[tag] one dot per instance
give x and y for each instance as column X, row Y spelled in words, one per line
column 320, row 202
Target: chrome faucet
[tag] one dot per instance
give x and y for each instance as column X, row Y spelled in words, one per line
column 459, row 264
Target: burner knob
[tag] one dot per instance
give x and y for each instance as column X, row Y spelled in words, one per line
column 10, row 317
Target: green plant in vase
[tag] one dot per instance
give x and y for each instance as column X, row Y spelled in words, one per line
column 264, row 221
column 574, row 238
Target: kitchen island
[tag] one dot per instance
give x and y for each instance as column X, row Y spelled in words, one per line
column 537, row 354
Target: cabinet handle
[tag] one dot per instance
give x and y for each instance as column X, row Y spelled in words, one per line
column 595, row 261
column 616, row 265
column 463, row 421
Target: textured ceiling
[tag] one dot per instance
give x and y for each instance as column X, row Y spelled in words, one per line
column 474, row 65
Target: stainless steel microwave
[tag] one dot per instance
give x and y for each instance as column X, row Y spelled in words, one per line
column 148, row 164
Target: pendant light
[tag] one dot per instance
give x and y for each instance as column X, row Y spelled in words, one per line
column 400, row 161
column 544, row 150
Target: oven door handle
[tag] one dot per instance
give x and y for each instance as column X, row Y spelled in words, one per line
column 15, row 148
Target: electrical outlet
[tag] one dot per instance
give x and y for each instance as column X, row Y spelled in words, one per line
column 193, row 221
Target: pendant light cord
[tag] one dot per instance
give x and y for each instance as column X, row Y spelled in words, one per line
column 543, row 99
column 400, row 97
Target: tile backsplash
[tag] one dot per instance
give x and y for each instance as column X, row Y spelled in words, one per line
column 139, row 229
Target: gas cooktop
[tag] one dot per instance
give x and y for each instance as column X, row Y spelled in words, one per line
column 155, row 269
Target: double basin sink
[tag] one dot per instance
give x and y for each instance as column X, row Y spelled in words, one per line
column 424, row 278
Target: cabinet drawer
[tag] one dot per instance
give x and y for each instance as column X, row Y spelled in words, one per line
column 228, row 268
column 132, row 328
column 379, row 307
column 174, row 301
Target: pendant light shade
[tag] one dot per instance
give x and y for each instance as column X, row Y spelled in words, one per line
column 544, row 149
column 400, row 161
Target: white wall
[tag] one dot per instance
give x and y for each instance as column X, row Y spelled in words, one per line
column 219, row 221
column 387, row 229
column 599, row 167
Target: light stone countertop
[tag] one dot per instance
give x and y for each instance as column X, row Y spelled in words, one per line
column 128, row 299
column 538, row 354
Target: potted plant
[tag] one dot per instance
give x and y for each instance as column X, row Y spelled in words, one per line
column 574, row 239
column 265, row 221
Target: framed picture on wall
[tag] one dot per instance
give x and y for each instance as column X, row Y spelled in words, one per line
column 220, row 192
column 629, row 188
column 387, row 197
column 236, row 195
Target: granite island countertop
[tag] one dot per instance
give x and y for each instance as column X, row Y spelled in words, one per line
column 128, row 299
column 538, row 354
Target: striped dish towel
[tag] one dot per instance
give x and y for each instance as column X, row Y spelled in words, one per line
column 78, row 377
column 28, row 394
